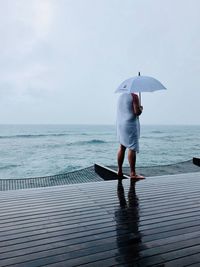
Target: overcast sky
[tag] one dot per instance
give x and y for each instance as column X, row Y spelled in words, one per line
column 61, row 60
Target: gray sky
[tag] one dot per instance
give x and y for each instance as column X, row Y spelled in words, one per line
column 61, row 60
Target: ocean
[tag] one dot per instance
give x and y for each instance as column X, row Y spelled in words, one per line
column 42, row 150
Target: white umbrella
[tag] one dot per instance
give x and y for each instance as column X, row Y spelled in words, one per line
column 140, row 84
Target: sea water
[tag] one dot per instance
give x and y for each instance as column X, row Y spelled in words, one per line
column 41, row 150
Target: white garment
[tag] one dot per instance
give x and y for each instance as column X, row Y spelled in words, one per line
column 128, row 125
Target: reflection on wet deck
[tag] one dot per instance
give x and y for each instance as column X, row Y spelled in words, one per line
column 155, row 222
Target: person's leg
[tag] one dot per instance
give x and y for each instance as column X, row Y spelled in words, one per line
column 120, row 159
column 132, row 161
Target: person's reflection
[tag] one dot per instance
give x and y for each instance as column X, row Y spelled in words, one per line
column 127, row 218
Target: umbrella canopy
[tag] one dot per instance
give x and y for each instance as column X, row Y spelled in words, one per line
column 140, row 84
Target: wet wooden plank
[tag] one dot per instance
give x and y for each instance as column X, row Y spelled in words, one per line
column 111, row 223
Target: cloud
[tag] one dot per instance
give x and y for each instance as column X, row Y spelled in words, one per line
column 71, row 51
column 24, row 26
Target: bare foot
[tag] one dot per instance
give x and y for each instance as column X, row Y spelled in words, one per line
column 120, row 173
column 137, row 176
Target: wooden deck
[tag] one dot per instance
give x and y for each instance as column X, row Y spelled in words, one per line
column 109, row 223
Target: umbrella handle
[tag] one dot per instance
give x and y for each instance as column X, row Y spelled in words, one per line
column 140, row 98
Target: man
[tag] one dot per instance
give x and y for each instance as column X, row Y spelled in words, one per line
column 128, row 131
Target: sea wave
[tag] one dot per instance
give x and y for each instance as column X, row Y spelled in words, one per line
column 9, row 166
column 96, row 141
column 32, row 135
column 156, row 132
column 88, row 142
